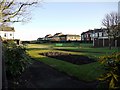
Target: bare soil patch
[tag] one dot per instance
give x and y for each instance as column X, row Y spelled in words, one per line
column 75, row 59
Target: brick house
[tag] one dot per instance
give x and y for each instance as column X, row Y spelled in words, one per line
column 87, row 36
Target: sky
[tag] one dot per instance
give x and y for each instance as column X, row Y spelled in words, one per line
column 68, row 17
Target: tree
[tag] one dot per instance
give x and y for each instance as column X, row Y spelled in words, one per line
column 113, row 27
column 12, row 11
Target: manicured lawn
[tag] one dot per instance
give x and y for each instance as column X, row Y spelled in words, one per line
column 86, row 72
column 87, row 49
column 93, row 52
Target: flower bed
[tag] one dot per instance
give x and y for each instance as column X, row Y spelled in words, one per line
column 75, row 59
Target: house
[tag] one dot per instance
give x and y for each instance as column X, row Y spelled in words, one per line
column 56, row 37
column 101, row 39
column 48, row 37
column 7, row 33
column 69, row 37
column 87, row 36
column 59, row 37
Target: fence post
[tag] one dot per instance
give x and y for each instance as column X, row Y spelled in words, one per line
column 0, row 63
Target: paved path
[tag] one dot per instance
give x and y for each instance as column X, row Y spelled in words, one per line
column 40, row 75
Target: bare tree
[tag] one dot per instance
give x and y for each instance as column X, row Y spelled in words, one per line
column 113, row 27
column 12, row 11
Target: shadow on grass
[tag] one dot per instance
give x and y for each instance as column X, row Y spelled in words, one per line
column 38, row 49
column 82, row 51
column 86, row 72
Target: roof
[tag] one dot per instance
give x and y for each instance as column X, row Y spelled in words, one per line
column 94, row 31
column 83, row 33
column 3, row 28
column 69, row 35
column 58, row 34
column 49, row 35
column 89, row 31
column 100, row 30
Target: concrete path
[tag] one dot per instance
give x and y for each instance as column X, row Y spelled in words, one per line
column 40, row 75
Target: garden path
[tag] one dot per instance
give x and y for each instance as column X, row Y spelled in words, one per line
column 40, row 75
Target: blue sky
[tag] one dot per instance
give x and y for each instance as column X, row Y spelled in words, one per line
column 65, row 17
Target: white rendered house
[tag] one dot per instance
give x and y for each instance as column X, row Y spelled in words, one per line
column 7, row 33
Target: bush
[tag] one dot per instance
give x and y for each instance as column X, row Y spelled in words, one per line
column 112, row 66
column 16, row 59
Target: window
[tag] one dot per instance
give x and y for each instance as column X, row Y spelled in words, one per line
column 5, row 35
column 100, row 34
column 73, row 37
column 96, row 34
column 10, row 34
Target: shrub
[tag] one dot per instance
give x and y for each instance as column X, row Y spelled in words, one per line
column 16, row 59
column 112, row 66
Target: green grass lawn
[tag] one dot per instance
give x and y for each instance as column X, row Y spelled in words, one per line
column 86, row 72
column 88, row 50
